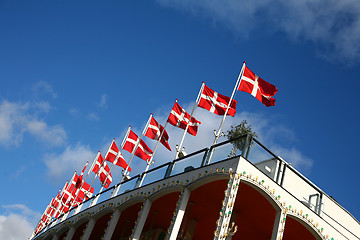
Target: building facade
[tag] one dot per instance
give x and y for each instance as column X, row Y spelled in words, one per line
column 254, row 195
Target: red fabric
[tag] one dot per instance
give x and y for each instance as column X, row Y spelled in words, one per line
column 180, row 118
column 80, row 179
column 154, row 131
column 82, row 189
column 142, row 151
column 257, row 87
column 59, row 206
column 45, row 218
column 216, row 102
column 115, row 156
column 103, row 171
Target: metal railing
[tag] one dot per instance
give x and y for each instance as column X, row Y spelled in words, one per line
column 252, row 150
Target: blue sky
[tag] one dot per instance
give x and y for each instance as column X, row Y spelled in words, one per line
column 75, row 74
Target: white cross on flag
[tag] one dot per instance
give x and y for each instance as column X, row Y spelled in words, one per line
column 257, row 87
column 180, row 118
column 60, row 207
column 142, row 151
column 216, row 102
column 46, row 217
column 82, row 189
column 103, row 171
column 154, row 131
column 115, row 156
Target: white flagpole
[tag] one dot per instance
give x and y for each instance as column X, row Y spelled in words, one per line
column 218, row 133
column 150, row 162
column 92, row 166
column 117, row 158
column 40, row 221
column 132, row 156
column 136, row 146
column 93, row 202
column 107, row 175
column 82, row 184
column 95, row 199
column 69, row 198
column 60, row 202
column 60, row 198
column 71, row 193
column 178, row 150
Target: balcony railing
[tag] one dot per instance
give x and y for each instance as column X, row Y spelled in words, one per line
column 256, row 153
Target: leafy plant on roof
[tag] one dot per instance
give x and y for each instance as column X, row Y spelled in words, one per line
column 235, row 132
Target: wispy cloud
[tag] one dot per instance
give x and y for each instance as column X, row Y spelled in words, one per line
column 61, row 166
column 17, row 215
column 42, row 88
column 332, row 25
column 17, row 118
column 93, row 117
column 103, row 101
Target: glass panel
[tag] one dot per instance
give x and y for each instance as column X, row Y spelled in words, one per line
column 127, row 186
column 188, row 163
column 223, row 152
column 156, row 175
column 105, row 195
column 258, row 154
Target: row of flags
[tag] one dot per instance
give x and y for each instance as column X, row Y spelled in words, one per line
column 73, row 193
column 78, row 190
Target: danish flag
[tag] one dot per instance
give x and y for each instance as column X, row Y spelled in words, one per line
column 216, row 102
column 180, row 118
column 154, row 131
column 82, row 189
column 102, row 170
column 257, row 87
column 142, row 150
column 60, row 207
column 46, row 217
column 115, row 156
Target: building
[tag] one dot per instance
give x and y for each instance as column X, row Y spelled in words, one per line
column 214, row 193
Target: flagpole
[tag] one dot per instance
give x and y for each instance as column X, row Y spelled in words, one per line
column 93, row 202
column 69, row 198
column 218, row 133
column 178, row 150
column 107, row 175
column 92, row 166
column 132, row 156
column 117, row 157
column 150, row 162
column 72, row 180
column 80, row 188
column 60, row 201
column 37, row 225
column 136, row 147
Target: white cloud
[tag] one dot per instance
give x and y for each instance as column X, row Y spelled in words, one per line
column 62, row 166
column 93, row 117
column 332, row 25
column 54, row 135
column 18, row 222
column 103, row 101
column 43, row 87
column 16, row 119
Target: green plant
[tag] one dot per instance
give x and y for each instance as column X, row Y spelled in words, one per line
column 240, row 130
